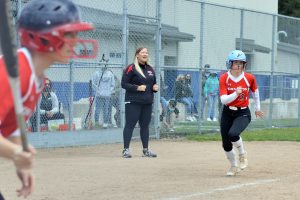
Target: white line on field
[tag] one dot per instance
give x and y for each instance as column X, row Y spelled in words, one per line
column 231, row 187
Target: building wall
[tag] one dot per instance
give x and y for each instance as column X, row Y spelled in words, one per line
column 288, row 62
column 221, row 28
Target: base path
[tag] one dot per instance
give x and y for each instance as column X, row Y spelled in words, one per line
column 183, row 170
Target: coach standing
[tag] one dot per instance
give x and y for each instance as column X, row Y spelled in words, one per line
column 139, row 81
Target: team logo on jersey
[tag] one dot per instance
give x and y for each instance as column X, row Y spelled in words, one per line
column 241, row 97
column 150, row 73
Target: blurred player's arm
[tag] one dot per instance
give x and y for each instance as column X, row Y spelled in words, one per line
column 23, row 162
column 8, row 149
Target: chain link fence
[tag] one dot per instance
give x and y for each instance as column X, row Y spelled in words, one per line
column 182, row 37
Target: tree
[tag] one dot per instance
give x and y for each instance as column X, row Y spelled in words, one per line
column 289, row 7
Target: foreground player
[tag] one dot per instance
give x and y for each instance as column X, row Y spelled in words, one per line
column 234, row 93
column 48, row 32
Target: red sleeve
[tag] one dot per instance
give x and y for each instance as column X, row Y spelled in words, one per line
column 222, row 81
column 30, row 95
column 6, row 100
column 253, row 86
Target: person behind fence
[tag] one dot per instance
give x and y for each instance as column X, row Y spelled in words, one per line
column 183, row 94
column 50, row 108
column 188, row 82
column 47, row 36
column 103, row 83
column 163, row 88
column 234, row 93
column 169, row 111
column 139, row 81
column 211, row 92
column 205, row 75
column 115, row 100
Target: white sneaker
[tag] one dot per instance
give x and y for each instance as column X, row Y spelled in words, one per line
column 194, row 119
column 208, row 119
column 243, row 161
column 189, row 119
column 215, row 119
column 105, row 125
column 126, row 153
column 234, row 170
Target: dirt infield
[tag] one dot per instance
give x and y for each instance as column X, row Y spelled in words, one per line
column 183, row 170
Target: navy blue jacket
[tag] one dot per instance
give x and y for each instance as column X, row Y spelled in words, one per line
column 131, row 79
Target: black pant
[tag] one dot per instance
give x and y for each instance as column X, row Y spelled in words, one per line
column 137, row 112
column 1, row 197
column 233, row 123
column 44, row 119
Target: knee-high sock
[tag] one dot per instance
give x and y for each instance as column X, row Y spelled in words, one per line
column 231, row 157
column 239, row 145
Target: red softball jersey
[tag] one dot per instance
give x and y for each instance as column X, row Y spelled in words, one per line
column 31, row 88
column 228, row 86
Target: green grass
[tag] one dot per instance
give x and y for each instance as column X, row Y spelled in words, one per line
column 275, row 134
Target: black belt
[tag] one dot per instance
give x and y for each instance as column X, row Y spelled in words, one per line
column 236, row 108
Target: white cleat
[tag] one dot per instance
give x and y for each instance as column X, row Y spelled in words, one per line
column 234, row 170
column 243, row 161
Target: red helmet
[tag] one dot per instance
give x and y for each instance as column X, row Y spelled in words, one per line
column 43, row 24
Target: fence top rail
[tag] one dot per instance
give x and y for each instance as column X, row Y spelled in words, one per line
column 289, row 17
column 88, row 65
column 231, row 7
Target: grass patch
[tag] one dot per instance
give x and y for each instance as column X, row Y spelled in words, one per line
column 276, row 134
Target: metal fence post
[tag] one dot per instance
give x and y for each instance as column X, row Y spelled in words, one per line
column 242, row 29
column 158, row 68
column 71, row 110
column 200, row 111
column 274, row 32
column 38, row 115
column 299, row 91
column 124, row 56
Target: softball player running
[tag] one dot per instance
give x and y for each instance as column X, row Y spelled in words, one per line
column 234, row 93
column 48, row 34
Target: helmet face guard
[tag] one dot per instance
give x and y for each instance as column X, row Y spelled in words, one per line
column 54, row 39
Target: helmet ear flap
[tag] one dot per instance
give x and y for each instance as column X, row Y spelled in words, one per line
column 229, row 64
